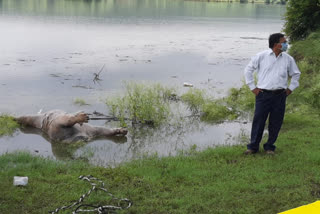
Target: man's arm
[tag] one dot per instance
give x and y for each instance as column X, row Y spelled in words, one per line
column 70, row 120
column 294, row 73
column 248, row 74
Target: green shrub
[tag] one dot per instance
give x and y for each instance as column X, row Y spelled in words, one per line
column 142, row 103
column 7, row 125
column 308, row 50
column 117, row 107
column 312, row 93
column 307, row 54
column 150, row 104
column 241, row 99
column 302, row 18
column 194, row 98
column 213, row 111
column 210, row 110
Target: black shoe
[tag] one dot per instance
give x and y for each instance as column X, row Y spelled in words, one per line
column 270, row 152
column 250, row 152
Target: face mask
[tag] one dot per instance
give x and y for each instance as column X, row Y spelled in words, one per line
column 284, row 46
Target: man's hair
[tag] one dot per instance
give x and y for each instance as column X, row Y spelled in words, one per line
column 274, row 39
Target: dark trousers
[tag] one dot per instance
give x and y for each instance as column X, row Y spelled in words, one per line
column 267, row 104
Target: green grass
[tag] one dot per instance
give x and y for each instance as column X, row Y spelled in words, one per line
column 142, row 103
column 214, row 111
column 220, row 180
column 241, row 99
column 7, row 125
column 195, row 99
column 308, row 54
column 80, row 102
column 209, row 109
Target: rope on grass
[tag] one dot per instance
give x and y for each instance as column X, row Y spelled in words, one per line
column 96, row 184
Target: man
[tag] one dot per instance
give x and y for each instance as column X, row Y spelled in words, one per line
column 63, row 127
column 273, row 67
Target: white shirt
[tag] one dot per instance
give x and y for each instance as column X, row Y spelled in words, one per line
column 272, row 71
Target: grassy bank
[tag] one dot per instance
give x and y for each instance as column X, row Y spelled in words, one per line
column 7, row 125
column 220, row 180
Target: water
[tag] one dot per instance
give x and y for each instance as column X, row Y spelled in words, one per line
column 50, row 51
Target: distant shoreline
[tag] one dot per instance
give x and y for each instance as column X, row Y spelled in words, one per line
column 248, row 1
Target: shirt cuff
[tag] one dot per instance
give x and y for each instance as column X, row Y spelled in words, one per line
column 291, row 88
column 252, row 86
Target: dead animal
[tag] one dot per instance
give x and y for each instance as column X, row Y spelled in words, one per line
column 63, row 127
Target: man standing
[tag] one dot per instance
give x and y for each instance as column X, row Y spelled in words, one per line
column 273, row 67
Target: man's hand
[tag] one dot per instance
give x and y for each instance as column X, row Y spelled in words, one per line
column 82, row 118
column 256, row 91
column 288, row 91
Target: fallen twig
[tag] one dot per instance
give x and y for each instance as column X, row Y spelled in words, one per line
column 97, row 75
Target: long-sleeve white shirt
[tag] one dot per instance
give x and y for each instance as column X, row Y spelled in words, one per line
column 272, row 71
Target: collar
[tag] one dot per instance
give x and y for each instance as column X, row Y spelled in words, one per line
column 270, row 52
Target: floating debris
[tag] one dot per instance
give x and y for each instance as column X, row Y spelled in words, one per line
column 187, row 84
column 26, row 60
column 75, row 53
column 77, row 63
column 82, row 86
column 54, row 75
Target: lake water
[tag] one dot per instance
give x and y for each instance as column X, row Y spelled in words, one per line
column 50, row 50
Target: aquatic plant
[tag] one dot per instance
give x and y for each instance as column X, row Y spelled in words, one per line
column 213, row 111
column 117, row 108
column 240, row 99
column 7, row 125
column 141, row 103
column 150, row 104
column 194, row 98
column 209, row 109
column 80, row 102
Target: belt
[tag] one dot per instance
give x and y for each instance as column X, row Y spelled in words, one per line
column 278, row 91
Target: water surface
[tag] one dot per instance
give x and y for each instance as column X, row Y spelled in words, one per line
column 50, row 51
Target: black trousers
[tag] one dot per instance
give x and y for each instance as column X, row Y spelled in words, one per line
column 268, row 104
